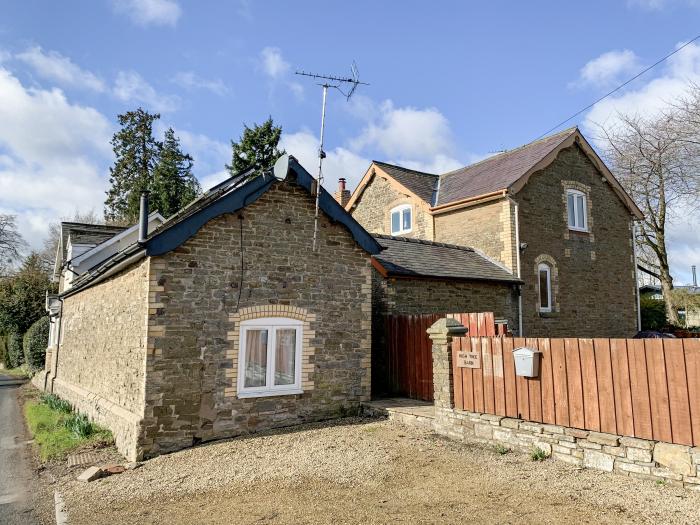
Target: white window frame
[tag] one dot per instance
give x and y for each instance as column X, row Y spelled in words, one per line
column 400, row 210
column 583, row 202
column 271, row 324
column 546, row 268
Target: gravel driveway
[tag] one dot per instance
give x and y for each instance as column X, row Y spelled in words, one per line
column 368, row 471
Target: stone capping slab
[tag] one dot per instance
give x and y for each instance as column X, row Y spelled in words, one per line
column 641, row 458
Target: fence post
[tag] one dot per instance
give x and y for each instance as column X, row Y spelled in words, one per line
column 441, row 334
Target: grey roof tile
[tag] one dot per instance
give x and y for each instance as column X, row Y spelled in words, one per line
column 421, row 183
column 407, row 257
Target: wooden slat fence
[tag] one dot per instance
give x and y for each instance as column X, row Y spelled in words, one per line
column 408, row 360
column 646, row 388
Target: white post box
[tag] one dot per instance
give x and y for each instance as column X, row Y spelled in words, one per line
column 527, row 362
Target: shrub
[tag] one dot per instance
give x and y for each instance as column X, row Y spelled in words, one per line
column 35, row 342
column 653, row 313
column 3, row 350
column 15, row 353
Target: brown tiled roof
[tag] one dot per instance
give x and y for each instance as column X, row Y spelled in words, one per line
column 404, row 257
column 422, row 184
column 497, row 172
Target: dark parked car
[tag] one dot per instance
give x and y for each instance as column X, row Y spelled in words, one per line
column 651, row 334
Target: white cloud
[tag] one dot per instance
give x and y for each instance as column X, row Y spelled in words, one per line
column 406, row 132
column 132, row 87
column 190, row 80
column 647, row 99
column 273, row 64
column 609, row 67
column 53, row 155
column 339, row 162
column 149, row 12
column 651, row 5
column 210, row 156
column 54, row 66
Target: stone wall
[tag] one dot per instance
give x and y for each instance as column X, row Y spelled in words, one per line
column 197, row 301
column 647, row 459
column 99, row 365
column 489, row 227
column 594, row 292
column 372, row 210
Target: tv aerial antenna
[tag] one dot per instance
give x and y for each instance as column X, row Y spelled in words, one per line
column 346, row 86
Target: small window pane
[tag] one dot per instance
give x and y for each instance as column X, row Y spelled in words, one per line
column 395, row 222
column 407, row 219
column 580, row 211
column 255, row 358
column 544, row 288
column 284, row 356
column 571, row 206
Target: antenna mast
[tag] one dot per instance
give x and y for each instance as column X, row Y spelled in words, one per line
column 329, row 81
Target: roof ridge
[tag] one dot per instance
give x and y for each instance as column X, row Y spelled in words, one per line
column 567, row 131
column 406, row 169
column 423, row 241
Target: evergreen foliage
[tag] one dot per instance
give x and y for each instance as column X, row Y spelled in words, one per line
column 136, row 154
column 23, row 296
column 15, row 354
column 257, row 148
column 174, row 186
column 35, row 342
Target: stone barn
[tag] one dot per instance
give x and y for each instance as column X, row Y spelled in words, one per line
column 221, row 321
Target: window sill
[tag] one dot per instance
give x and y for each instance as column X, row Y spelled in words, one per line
column 546, row 315
column 578, row 230
column 270, row 393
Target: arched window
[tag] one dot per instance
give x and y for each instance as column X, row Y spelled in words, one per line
column 269, row 360
column 401, row 219
column 544, row 274
column 576, row 210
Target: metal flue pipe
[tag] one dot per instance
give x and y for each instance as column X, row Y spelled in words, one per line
column 143, row 217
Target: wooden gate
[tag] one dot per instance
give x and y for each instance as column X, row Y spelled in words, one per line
column 404, row 365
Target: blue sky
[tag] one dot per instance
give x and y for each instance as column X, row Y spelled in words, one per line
column 451, row 82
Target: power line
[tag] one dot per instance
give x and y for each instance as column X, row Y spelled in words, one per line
column 635, row 77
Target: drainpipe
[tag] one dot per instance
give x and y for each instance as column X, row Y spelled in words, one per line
column 54, row 370
column 517, row 258
column 636, row 277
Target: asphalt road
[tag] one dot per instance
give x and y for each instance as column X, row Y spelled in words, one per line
column 16, row 505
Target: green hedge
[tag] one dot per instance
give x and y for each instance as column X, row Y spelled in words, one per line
column 653, row 313
column 35, row 342
column 15, row 352
column 3, row 350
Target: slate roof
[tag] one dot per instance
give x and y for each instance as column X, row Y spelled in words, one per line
column 497, row 172
column 229, row 196
column 91, row 234
column 405, row 257
column 422, row 184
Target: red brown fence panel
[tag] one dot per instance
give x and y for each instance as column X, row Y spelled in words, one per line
column 647, row 388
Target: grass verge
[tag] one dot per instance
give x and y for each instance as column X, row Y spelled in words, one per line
column 57, row 430
column 14, row 372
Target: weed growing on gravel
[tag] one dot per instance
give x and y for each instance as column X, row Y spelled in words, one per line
column 500, row 449
column 538, row 454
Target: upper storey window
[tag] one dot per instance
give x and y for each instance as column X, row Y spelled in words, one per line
column 401, row 219
column 577, row 210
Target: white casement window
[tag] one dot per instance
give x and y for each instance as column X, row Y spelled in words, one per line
column 401, row 219
column 544, row 274
column 269, row 360
column 577, row 211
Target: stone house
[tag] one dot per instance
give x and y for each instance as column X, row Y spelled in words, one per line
column 220, row 321
column 549, row 213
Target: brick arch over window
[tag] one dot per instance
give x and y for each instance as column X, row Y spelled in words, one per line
column 554, row 278
column 271, row 310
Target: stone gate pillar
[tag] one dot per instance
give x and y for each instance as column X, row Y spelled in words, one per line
column 441, row 334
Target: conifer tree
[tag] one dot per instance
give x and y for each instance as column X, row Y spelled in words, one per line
column 136, row 152
column 174, row 186
column 257, row 148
